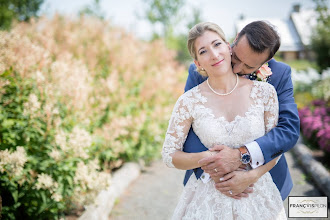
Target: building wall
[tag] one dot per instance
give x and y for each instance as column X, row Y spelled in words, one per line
column 289, row 55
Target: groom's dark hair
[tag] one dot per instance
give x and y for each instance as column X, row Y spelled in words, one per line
column 261, row 36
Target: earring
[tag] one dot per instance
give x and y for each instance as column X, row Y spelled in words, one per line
column 231, row 53
column 203, row 69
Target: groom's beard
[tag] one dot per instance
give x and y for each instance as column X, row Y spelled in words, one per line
column 239, row 74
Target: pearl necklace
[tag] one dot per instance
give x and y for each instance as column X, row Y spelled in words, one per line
column 228, row 93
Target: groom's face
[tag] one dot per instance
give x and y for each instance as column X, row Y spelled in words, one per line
column 244, row 60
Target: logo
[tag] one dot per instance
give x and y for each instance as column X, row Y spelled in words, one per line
column 306, row 207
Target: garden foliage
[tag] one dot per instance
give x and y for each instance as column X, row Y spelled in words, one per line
column 315, row 124
column 312, row 96
column 78, row 97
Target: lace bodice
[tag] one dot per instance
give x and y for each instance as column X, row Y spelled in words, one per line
column 212, row 127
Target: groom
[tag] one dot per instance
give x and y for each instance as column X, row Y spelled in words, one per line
column 255, row 45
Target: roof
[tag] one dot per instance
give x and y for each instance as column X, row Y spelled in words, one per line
column 304, row 22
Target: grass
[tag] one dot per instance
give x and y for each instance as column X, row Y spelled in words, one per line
column 300, row 64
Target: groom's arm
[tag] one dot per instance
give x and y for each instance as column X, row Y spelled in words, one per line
column 192, row 143
column 285, row 135
column 194, row 78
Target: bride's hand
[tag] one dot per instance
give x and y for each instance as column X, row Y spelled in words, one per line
column 237, row 182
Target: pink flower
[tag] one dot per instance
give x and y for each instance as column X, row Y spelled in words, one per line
column 264, row 72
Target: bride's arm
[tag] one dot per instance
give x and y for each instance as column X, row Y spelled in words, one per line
column 176, row 134
column 188, row 161
column 256, row 173
column 271, row 118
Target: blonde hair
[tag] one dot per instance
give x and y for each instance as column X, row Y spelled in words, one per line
column 197, row 31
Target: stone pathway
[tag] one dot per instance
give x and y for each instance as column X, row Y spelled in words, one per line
column 155, row 193
column 302, row 184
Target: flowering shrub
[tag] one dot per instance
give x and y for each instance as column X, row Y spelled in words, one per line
column 77, row 99
column 312, row 96
column 315, row 124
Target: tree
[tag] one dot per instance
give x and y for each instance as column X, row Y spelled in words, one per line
column 179, row 41
column 321, row 35
column 93, row 10
column 166, row 14
column 197, row 18
column 21, row 10
column 163, row 12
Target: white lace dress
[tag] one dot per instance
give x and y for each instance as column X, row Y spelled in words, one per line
column 200, row 200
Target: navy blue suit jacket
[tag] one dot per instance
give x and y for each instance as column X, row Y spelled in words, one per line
column 276, row 142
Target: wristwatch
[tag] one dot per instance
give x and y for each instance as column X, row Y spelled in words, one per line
column 245, row 155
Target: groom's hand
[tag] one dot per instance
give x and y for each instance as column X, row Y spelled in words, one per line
column 224, row 161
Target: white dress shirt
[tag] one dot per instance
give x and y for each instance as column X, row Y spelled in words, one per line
column 257, row 158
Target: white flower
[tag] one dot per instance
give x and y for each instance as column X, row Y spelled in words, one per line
column 55, row 154
column 57, row 197
column 40, row 77
column 79, row 141
column 60, row 140
column 90, row 181
column 56, row 111
column 34, row 103
column 13, row 163
column 48, row 107
column 80, row 138
column 44, row 181
column 4, row 160
column 19, row 156
column 32, row 106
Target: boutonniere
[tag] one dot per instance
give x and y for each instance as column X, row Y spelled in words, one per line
column 262, row 74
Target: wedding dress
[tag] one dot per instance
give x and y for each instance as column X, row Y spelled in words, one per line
column 201, row 200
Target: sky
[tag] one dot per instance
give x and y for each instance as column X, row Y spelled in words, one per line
column 126, row 13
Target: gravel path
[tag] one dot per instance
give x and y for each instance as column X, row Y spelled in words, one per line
column 155, row 193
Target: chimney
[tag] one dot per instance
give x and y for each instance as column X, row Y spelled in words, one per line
column 296, row 8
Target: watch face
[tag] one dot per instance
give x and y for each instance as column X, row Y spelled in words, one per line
column 246, row 158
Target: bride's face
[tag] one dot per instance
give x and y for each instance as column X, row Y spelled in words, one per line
column 213, row 53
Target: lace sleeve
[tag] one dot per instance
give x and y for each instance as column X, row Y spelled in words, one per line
column 178, row 129
column 271, row 109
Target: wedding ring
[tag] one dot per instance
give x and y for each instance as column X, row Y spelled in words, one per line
column 230, row 192
column 215, row 169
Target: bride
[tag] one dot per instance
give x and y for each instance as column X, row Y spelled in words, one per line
column 225, row 109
